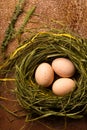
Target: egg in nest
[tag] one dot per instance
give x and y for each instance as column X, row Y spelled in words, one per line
column 44, row 74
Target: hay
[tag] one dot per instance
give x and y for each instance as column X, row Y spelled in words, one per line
column 40, row 102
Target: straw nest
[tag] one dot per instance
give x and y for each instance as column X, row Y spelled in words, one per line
column 40, row 102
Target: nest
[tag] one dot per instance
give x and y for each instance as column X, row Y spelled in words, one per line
column 40, row 102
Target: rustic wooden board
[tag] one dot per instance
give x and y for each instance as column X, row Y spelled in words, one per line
column 69, row 13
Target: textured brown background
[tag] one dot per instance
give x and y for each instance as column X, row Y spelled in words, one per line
column 73, row 15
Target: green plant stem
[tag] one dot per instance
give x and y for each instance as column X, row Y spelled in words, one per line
column 10, row 30
column 27, row 17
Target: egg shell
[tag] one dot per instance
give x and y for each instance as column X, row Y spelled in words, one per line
column 63, row 86
column 63, row 67
column 44, row 74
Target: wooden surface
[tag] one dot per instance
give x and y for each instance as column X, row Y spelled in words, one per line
column 71, row 14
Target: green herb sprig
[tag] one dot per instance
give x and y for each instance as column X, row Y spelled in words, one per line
column 11, row 33
column 10, row 30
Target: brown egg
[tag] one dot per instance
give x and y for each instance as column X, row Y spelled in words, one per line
column 63, row 86
column 63, row 67
column 44, row 74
